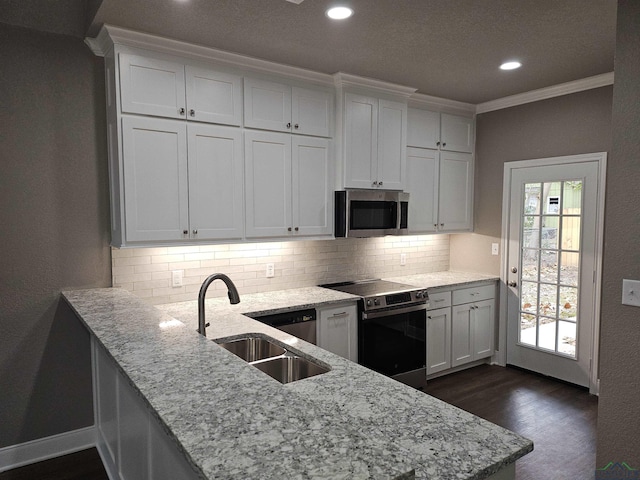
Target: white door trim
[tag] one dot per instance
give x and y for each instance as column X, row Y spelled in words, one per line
column 601, row 158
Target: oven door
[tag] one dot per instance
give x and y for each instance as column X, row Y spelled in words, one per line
column 394, row 343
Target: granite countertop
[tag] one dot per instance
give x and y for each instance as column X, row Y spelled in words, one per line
column 234, row 421
column 444, row 279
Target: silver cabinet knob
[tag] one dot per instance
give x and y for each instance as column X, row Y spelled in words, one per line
column 442, row 224
column 438, row 144
column 435, row 225
column 192, row 112
column 289, row 229
column 296, row 229
column 512, row 284
column 185, row 232
column 289, row 125
column 444, row 144
column 195, row 231
column 375, row 183
column 379, row 184
column 296, row 126
column 181, row 111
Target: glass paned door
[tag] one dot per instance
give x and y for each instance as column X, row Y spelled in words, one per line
column 550, row 266
column 552, row 215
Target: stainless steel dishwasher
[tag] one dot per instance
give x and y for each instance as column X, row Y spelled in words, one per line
column 299, row 323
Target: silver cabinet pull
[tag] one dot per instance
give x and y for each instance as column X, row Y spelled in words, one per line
column 181, row 111
column 341, row 314
column 192, row 112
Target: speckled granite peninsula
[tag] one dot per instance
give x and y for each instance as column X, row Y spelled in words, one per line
column 232, row 421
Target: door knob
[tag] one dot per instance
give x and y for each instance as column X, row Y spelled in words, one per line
column 512, row 284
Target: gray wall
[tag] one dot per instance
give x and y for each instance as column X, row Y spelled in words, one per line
column 54, row 216
column 567, row 125
column 619, row 406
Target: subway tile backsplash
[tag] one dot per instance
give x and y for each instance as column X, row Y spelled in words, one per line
column 147, row 271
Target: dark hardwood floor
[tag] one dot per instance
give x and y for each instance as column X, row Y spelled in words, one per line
column 558, row 417
column 84, row 465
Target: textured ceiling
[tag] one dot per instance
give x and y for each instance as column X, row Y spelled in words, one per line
column 445, row 48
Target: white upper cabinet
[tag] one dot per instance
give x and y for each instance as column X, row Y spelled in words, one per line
column 155, row 179
column 287, row 185
column 215, row 182
column 456, row 133
column 282, row 108
column 213, row 97
column 423, row 166
column 444, row 131
column 455, row 192
column 374, row 142
column 151, row 86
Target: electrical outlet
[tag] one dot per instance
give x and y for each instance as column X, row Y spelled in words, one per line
column 495, row 249
column 271, row 270
column 403, row 259
column 631, row 292
column 176, row 278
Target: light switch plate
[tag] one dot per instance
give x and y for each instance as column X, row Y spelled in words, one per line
column 631, row 292
column 403, row 259
column 271, row 270
column 176, row 278
column 495, row 249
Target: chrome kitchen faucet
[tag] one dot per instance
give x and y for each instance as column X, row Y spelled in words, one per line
column 232, row 293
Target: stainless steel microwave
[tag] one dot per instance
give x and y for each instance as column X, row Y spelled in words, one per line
column 370, row 213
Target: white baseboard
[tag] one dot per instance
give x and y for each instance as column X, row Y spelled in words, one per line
column 44, row 448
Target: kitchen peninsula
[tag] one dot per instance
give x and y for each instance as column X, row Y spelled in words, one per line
column 226, row 419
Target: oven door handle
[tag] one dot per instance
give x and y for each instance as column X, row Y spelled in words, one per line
column 393, row 311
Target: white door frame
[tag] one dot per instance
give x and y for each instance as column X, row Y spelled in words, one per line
column 601, row 158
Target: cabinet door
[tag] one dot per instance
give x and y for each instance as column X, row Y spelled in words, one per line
column 438, row 340
column 312, row 198
column 312, row 111
column 337, row 331
column 215, row 182
column 155, row 179
column 268, row 184
column 392, row 140
column 267, row 105
column 149, row 86
column 457, row 133
column 483, row 329
column 423, row 128
column 462, row 349
column 360, row 141
column 213, row 97
column 455, row 191
column 422, row 185
column 133, row 428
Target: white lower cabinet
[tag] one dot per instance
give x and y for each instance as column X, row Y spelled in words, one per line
column 131, row 441
column 439, row 339
column 338, row 330
column 287, row 185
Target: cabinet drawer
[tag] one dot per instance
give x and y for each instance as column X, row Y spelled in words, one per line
column 474, row 294
column 439, row 300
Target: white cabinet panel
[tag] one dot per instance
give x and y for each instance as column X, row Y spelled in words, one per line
column 213, row 96
column 133, row 421
column 106, row 406
column 457, row 133
column 312, row 112
column 484, row 329
column 149, row 86
column 268, row 184
column 267, row 105
column 461, row 335
column 422, row 185
column 361, row 141
column 311, row 192
column 166, row 462
column 338, row 330
column 423, row 128
column 455, row 192
column 155, row 178
column 438, row 340
column 215, row 182
column 392, row 119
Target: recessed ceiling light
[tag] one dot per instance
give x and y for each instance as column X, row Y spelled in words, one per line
column 510, row 65
column 339, row 13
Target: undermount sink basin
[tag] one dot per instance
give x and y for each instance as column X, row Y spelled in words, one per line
column 253, row 349
column 272, row 359
column 288, row 369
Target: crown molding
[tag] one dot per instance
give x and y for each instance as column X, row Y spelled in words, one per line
column 110, row 35
column 420, row 100
column 549, row 92
column 347, row 80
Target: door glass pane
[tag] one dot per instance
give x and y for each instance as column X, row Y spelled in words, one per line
column 532, row 198
column 549, row 266
column 549, row 232
column 569, row 268
column 569, row 303
column 547, row 333
column 548, row 300
column 528, row 329
column 572, row 197
column 567, row 340
column 530, row 264
column 570, row 233
column 552, row 196
column 529, row 297
column 530, row 232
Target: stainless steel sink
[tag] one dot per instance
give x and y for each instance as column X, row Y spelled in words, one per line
column 253, row 349
column 288, row 369
column 272, row 359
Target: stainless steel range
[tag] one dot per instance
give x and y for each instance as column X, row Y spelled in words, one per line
column 391, row 328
